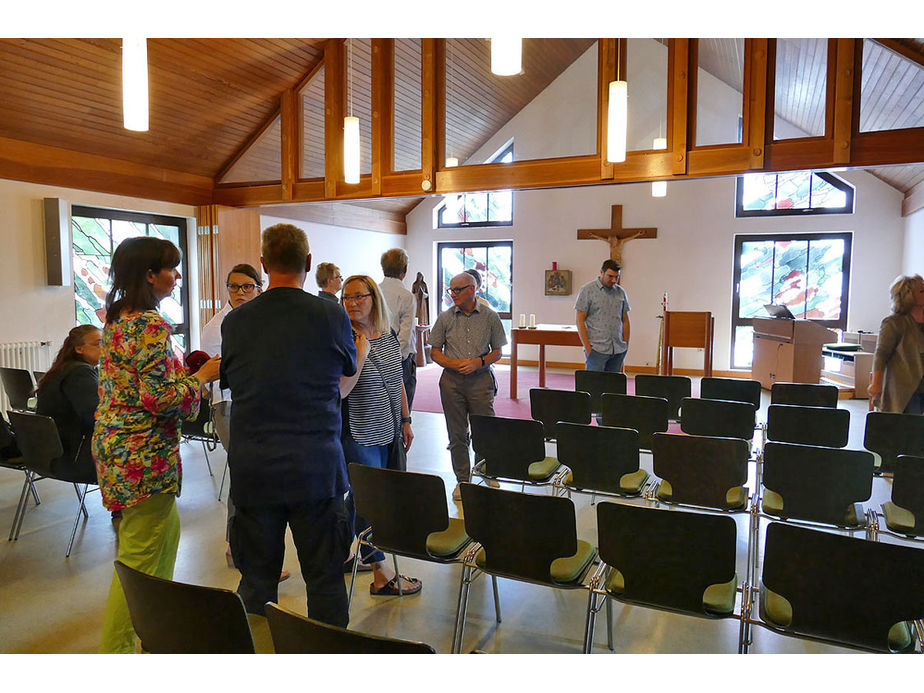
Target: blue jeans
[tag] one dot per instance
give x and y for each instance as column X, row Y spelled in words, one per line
column 595, row 361
column 371, row 456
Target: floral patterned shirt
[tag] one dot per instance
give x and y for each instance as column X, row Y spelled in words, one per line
column 144, row 393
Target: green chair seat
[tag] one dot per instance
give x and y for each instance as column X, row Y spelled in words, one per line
column 736, row 497
column 628, row 483
column 450, row 541
column 898, row 519
column 562, row 570
column 540, row 471
column 778, row 611
column 772, row 504
column 718, row 599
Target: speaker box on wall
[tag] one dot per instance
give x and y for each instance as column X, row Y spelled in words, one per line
column 58, row 242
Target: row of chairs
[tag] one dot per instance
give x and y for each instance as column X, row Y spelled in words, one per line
column 19, row 385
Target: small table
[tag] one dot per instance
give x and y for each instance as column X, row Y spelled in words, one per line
column 543, row 335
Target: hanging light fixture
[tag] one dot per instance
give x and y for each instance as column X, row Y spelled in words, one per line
column 506, row 56
column 135, row 84
column 617, row 117
column 659, row 187
column 351, row 132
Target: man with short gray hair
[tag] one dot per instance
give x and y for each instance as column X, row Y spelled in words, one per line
column 402, row 309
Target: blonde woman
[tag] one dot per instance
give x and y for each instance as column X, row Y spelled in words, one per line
column 898, row 369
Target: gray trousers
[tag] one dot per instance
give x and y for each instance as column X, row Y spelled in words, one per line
column 462, row 395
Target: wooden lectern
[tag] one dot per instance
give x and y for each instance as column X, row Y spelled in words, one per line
column 788, row 351
column 687, row 329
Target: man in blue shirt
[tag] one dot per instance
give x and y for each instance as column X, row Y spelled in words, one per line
column 602, row 309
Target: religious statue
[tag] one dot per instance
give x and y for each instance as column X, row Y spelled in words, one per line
column 617, row 235
column 422, row 294
column 616, row 244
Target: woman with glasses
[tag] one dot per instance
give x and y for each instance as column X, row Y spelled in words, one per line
column 375, row 413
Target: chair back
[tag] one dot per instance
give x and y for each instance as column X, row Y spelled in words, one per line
column 195, row 429
column 842, row 589
column 817, row 484
column 717, row 417
column 908, row 488
column 521, row 533
column 673, row 388
column 788, row 423
column 667, row 557
column 890, row 435
column 221, row 415
column 647, row 415
column 596, row 383
column 18, row 385
column 731, row 389
column 176, row 618
column 294, row 634
column 804, row 394
column 701, row 470
column 507, row 446
column 404, row 508
column 552, row 406
column 598, row 456
column 38, row 440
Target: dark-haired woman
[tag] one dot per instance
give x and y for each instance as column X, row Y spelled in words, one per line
column 144, row 393
column 69, row 394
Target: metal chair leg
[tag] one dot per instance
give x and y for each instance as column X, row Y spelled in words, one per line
column 82, row 507
column 497, row 613
column 461, row 608
column 394, row 559
column 81, row 497
column 221, row 486
column 590, row 622
column 21, row 507
column 353, row 579
column 208, row 464
column 35, row 495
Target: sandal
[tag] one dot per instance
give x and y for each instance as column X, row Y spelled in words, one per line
column 363, row 567
column 390, row 588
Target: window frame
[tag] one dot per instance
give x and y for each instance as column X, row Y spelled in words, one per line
column 440, row 224
column 830, row 178
column 503, row 315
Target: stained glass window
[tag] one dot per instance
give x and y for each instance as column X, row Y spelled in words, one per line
column 96, row 234
column 479, row 209
column 799, row 192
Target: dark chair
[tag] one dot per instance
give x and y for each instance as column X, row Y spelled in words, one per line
column 664, row 559
column 647, row 415
column 38, row 375
column 673, row 388
column 731, row 389
column 816, row 484
column 18, row 385
column 13, row 460
column 595, row 383
column 511, row 449
column 552, row 406
column 839, row 590
column 904, row 514
column 600, row 459
column 176, row 618
column 716, row 417
column 889, row 435
column 787, row 423
column 294, row 634
column 804, row 395
column 38, row 439
column 523, row 537
column 705, row 471
column 202, row 429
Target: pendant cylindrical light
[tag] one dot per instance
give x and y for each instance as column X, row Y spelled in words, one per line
column 351, row 149
column 506, row 56
column 451, row 161
column 135, row 84
column 659, row 187
column 617, row 121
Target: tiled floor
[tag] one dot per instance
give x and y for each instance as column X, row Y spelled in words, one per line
column 51, row 604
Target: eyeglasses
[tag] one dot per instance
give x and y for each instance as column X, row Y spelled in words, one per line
column 354, row 298
column 455, row 291
column 243, row 288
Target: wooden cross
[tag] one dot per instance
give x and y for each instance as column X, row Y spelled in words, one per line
column 616, row 235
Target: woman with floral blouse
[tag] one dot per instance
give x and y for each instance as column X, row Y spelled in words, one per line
column 145, row 392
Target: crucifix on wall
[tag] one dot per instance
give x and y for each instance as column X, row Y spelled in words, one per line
column 616, row 235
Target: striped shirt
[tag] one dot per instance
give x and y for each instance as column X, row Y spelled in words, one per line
column 375, row 401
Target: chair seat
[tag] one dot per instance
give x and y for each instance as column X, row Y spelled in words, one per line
column 562, row 570
column 260, row 631
column 778, row 612
column 898, row 519
column 718, row 599
column 540, row 471
column 450, row 541
column 628, row 483
column 772, row 504
column 735, row 498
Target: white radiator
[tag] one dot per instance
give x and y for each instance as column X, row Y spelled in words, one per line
column 29, row 356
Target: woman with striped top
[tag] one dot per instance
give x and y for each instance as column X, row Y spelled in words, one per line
column 375, row 411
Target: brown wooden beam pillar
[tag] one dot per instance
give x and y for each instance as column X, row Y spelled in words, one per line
column 846, row 97
column 607, row 58
column 289, row 141
column 334, row 98
column 678, row 102
column 755, row 100
column 383, row 79
column 432, row 94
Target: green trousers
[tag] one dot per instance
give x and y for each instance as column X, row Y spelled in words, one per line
column 149, row 534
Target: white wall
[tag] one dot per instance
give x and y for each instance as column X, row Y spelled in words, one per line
column 29, row 308
column 914, row 244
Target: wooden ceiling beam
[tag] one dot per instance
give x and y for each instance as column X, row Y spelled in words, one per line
column 902, row 49
column 914, row 200
column 341, row 214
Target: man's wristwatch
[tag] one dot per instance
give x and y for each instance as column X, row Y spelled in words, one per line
column 482, row 360
column 405, row 419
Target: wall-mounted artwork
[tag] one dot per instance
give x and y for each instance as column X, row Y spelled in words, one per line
column 557, row 282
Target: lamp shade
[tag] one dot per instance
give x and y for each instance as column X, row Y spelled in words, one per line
column 135, row 84
column 451, row 161
column 506, row 56
column 659, row 187
column 351, row 150
column 617, row 121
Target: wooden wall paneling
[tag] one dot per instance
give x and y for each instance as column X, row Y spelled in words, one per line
column 535, row 173
column 206, row 242
column 251, row 141
column 290, row 149
column 756, row 87
column 247, row 195
column 798, row 154
column 308, row 191
column 238, row 241
column 607, row 57
column 678, row 102
column 904, row 50
column 342, row 214
column 846, row 98
column 403, row 184
column 887, row 147
column 722, row 158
